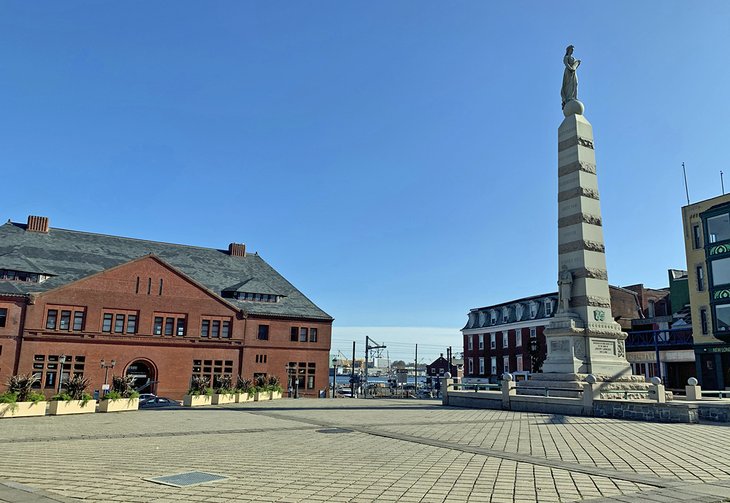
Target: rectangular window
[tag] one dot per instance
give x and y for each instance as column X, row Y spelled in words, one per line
column 106, row 325
column 722, row 314
column 493, row 365
column 180, row 327
column 481, row 366
column 470, row 342
column 703, row 320
column 157, row 328
column 169, row 326
column 696, row 236
column 3, row 316
column 471, row 366
column 65, row 320
column 226, row 330
column 533, row 333
column 119, row 324
column 721, row 272
column 700, row 278
column 78, row 321
column 481, row 344
column 718, row 228
column 132, row 324
column 312, row 335
column 263, row 333
column 505, row 339
column 548, row 308
column 294, row 334
column 519, row 363
column 205, row 328
column 215, row 330
column 51, row 319
column 518, row 337
column 505, row 364
column 493, row 341
column 303, row 334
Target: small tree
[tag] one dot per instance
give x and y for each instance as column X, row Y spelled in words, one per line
column 244, row 385
column 122, row 387
column 537, row 356
column 20, row 388
column 223, row 384
column 199, row 385
column 274, row 384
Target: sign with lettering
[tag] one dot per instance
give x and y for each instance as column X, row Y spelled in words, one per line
column 603, row 348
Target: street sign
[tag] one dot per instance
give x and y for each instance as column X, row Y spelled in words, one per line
column 105, row 387
column 401, row 376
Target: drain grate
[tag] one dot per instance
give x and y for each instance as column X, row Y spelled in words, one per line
column 186, row 479
column 334, row 430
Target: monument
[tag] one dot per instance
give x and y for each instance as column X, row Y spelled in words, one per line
column 583, row 337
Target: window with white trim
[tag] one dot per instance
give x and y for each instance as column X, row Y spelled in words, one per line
column 505, row 364
column 533, row 332
column 481, row 366
column 471, row 366
column 505, row 339
column 548, row 307
column 481, row 341
column 518, row 337
column 494, row 365
column 469, row 343
column 493, row 341
column 519, row 363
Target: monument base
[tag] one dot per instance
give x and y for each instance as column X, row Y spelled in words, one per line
column 571, row 385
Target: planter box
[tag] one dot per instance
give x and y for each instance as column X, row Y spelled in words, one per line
column 244, row 397
column 275, row 395
column 224, row 398
column 23, row 409
column 119, row 405
column 196, row 400
column 260, row 396
column 61, row 407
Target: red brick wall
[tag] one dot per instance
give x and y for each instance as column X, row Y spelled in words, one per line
column 9, row 336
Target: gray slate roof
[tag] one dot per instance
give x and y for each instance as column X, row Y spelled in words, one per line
column 71, row 255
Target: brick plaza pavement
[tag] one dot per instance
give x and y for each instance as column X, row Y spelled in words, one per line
column 361, row 450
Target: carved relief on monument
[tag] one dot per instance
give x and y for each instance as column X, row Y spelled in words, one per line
column 581, row 244
column 621, row 349
column 584, row 166
column 578, row 191
column 591, row 300
column 590, row 272
column 579, row 346
column 579, row 218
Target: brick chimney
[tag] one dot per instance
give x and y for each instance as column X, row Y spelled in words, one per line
column 237, row 250
column 37, row 224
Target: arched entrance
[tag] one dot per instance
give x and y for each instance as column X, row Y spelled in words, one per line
column 145, row 376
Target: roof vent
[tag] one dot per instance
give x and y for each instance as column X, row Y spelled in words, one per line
column 37, row 224
column 237, row 250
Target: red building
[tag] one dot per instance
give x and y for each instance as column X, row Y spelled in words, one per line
column 162, row 312
column 509, row 337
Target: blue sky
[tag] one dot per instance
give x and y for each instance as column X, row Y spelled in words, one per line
column 395, row 160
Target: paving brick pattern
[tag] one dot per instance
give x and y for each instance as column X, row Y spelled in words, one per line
column 385, row 450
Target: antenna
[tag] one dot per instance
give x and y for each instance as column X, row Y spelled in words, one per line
column 722, row 183
column 686, row 189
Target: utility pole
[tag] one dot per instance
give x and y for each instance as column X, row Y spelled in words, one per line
column 369, row 348
column 415, row 370
column 352, row 372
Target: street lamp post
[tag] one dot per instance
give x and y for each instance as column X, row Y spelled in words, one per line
column 61, row 362
column 334, row 376
column 106, row 367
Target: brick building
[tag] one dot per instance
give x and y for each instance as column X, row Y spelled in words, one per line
column 162, row 312
column 509, row 337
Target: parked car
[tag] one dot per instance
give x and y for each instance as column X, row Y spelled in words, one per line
column 146, row 396
column 158, row 401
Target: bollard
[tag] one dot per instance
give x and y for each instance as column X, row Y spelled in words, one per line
column 446, row 381
column 693, row 390
column 591, row 392
column 508, row 389
column 656, row 390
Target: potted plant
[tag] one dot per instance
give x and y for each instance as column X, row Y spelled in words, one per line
column 223, row 391
column 244, row 390
column 199, row 392
column 261, row 390
column 74, row 400
column 122, row 397
column 275, row 387
column 20, row 400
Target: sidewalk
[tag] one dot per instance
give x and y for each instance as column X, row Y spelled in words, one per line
column 362, row 450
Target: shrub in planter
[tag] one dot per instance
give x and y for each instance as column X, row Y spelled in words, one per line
column 262, row 391
column 244, row 390
column 274, row 386
column 223, row 391
column 74, row 399
column 122, row 397
column 199, row 393
column 21, row 400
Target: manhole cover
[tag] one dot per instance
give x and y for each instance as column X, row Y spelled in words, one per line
column 334, row 430
column 186, row 479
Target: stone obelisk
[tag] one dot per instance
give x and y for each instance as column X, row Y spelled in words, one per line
column 583, row 337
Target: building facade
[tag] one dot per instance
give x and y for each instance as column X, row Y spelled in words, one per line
column 161, row 312
column 706, row 227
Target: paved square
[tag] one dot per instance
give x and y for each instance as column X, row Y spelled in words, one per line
column 360, row 450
